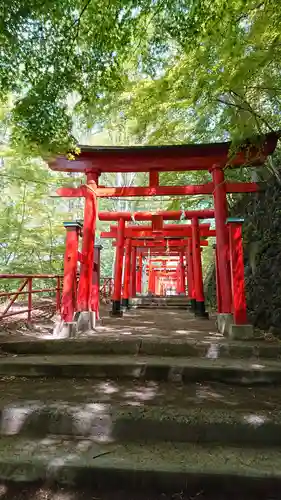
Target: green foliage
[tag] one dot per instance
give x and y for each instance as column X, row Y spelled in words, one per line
column 139, row 71
column 183, row 70
column 31, row 234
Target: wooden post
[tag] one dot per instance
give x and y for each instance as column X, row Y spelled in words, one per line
column 95, row 284
column 182, row 273
column 68, row 301
column 150, row 278
column 116, row 302
column 127, row 274
column 133, row 271
column 190, row 276
column 153, row 178
column 237, row 271
column 29, row 288
column 218, row 290
column 178, row 278
column 222, row 239
column 88, row 241
column 139, row 275
column 197, row 268
column 58, row 295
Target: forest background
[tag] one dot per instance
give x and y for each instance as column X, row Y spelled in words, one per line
column 124, row 73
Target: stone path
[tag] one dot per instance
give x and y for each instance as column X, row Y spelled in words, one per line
column 156, row 401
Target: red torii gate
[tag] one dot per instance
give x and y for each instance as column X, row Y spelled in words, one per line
column 213, row 157
column 137, row 237
column 160, row 230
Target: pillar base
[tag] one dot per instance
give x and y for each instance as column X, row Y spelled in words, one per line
column 230, row 330
column 126, row 304
column 200, row 311
column 116, row 308
column 84, row 321
column 193, row 305
column 241, row 332
column 224, row 322
column 65, row 330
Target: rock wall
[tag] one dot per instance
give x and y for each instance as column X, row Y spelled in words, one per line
column 262, row 252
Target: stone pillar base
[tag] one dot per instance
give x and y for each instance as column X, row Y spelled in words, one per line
column 126, row 304
column 193, row 305
column 224, row 320
column 200, row 311
column 65, row 330
column 241, row 332
column 84, row 323
column 116, row 308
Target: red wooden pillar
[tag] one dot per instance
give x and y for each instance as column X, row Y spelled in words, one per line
column 150, row 279
column 178, row 274
column 197, row 269
column 218, row 290
column 237, row 271
column 139, row 274
column 119, row 253
column 153, row 281
column 88, row 241
column 182, row 274
column 134, row 271
column 190, row 276
column 95, row 291
column 127, row 273
column 222, row 240
column 68, row 301
column 157, row 284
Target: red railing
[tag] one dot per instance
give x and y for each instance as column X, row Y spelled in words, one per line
column 25, row 288
column 106, row 288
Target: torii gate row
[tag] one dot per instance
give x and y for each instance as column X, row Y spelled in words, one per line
column 181, row 273
column 134, row 234
column 165, row 227
column 195, row 278
column 151, row 216
column 214, row 157
column 155, row 275
column 159, row 245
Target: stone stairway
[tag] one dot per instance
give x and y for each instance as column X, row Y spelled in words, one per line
column 176, row 415
column 174, row 302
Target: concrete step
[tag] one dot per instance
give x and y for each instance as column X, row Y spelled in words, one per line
column 161, row 466
column 161, row 306
column 174, row 369
column 210, row 346
column 170, row 298
column 119, row 422
column 165, row 302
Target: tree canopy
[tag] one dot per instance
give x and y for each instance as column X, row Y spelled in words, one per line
column 183, row 69
column 122, row 72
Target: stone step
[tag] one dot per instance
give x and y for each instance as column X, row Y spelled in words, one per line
column 161, row 306
column 106, row 422
column 161, row 466
column 210, row 346
column 150, row 302
column 174, row 369
column 133, row 393
column 170, row 298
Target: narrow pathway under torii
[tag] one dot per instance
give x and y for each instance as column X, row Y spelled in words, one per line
column 169, row 323
column 150, row 323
